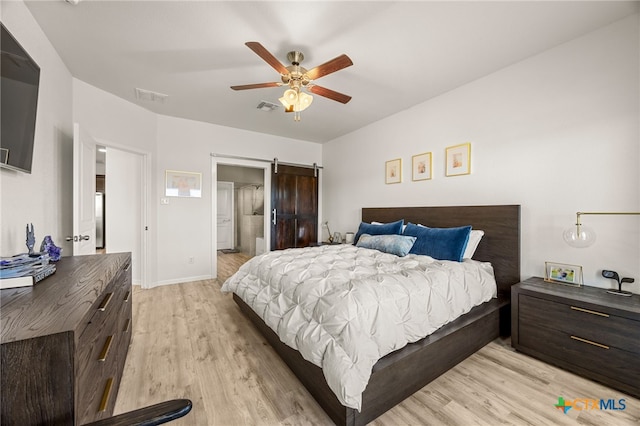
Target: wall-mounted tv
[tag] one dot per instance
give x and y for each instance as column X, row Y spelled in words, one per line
column 20, row 77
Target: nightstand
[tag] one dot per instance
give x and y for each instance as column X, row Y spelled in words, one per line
column 584, row 330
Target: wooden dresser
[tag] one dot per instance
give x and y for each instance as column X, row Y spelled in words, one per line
column 65, row 341
column 584, row 330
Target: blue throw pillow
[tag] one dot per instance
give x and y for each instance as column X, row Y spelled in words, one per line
column 382, row 229
column 439, row 243
column 394, row 244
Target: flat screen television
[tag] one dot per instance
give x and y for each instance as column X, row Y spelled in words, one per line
column 20, row 77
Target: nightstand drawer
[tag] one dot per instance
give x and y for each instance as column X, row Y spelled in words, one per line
column 582, row 352
column 576, row 319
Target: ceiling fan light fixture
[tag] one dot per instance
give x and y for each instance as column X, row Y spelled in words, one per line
column 304, row 100
column 291, row 96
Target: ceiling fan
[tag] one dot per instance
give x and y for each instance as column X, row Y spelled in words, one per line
column 297, row 78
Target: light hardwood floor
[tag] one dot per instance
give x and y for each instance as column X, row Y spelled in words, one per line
column 191, row 341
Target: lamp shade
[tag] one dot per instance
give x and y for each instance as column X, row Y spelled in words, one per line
column 304, row 100
column 579, row 236
column 291, row 96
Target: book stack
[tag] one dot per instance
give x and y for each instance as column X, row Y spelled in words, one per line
column 24, row 270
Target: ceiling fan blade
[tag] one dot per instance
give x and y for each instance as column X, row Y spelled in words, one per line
column 328, row 93
column 267, row 56
column 336, row 64
column 256, row 86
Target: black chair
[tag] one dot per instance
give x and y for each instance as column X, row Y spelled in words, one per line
column 149, row 416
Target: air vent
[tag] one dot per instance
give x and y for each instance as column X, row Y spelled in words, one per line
column 148, row 95
column 267, row 106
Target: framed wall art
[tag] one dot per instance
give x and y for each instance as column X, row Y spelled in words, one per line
column 563, row 273
column 393, row 171
column 183, row 184
column 421, row 166
column 458, row 159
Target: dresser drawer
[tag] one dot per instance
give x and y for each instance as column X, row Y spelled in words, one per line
column 574, row 319
column 98, row 318
column 101, row 325
column 577, row 350
column 100, row 400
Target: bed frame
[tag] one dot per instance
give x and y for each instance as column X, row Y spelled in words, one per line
column 403, row 372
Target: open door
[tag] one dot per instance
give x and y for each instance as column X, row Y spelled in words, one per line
column 84, row 193
column 224, row 218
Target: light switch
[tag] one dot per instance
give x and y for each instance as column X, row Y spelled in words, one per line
column 164, row 201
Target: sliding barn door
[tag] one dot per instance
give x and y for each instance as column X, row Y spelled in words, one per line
column 294, row 204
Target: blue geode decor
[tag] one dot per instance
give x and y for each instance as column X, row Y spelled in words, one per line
column 31, row 239
column 50, row 248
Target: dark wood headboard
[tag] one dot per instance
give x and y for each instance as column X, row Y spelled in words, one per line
column 501, row 225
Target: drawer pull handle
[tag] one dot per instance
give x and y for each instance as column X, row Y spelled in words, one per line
column 105, row 349
column 126, row 325
column 590, row 312
column 105, row 302
column 105, row 395
column 126, row 297
column 590, row 342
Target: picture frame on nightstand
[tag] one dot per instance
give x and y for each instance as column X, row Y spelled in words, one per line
column 563, row 273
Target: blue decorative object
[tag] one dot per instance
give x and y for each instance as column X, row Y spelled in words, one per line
column 31, row 239
column 51, row 249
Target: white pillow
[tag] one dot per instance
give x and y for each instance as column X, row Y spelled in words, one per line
column 474, row 239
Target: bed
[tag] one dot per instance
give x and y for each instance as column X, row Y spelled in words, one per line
column 444, row 348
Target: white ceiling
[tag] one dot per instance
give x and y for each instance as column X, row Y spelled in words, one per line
column 404, row 53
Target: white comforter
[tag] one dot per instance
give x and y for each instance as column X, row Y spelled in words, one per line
column 343, row 307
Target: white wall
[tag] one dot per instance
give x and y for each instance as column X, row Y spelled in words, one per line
column 186, row 223
column 42, row 197
column 557, row 133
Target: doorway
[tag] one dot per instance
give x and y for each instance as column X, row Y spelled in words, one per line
column 240, row 209
column 250, row 202
column 121, row 206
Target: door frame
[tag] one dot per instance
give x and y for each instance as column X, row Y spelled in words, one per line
column 266, row 168
column 145, row 200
